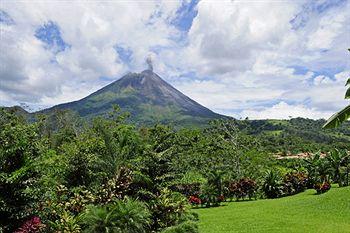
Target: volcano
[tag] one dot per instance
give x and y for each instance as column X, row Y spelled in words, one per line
column 147, row 97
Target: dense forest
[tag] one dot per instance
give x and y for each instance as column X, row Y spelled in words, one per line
column 296, row 135
column 61, row 174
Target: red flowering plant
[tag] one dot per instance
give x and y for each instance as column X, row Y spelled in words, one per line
column 322, row 188
column 32, row 225
column 194, row 200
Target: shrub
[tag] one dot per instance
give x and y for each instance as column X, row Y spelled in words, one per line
column 192, row 189
column 344, row 176
column 64, row 202
column 185, row 227
column 194, row 200
column 98, row 219
column 272, row 185
column 210, row 196
column 192, row 177
column 66, row 222
column 249, row 187
column 115, row 187
column 207, row 195
column 212, row 192
column 31, row 226
column 245, row 187
column 168, row 208
column 127, row 216
column 294, row 182
column 322, row 188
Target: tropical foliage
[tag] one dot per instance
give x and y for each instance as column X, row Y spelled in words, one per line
column 58, row 174
column 342, row 115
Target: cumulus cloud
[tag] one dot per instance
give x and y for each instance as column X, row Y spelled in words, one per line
column 25, row 65
column 235, row 57
column 229, row 36
column 33, row 70
column 256, row 54
column 283, row 110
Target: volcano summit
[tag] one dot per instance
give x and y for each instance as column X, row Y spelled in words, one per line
column 147, row 97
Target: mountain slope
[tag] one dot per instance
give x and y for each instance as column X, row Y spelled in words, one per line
column 147, row 97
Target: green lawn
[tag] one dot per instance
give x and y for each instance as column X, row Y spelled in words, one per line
column 305, row 212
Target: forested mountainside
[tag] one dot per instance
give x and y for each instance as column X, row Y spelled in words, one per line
column 147, row 97
column 296, row 135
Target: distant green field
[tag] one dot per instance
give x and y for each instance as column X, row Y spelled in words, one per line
column 273, row 132
column 305, row 212
column 278, row 122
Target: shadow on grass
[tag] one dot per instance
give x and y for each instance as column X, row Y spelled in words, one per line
column 243, row 200
column 208, row 207
column 223, row 204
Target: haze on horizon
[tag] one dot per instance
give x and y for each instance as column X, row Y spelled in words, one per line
column 256, row 59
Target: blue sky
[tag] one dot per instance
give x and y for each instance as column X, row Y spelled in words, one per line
column 50, row 34
column 241, row 58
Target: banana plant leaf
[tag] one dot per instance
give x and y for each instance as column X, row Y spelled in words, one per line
column 338, row 118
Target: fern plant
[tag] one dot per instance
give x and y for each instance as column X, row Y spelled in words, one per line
column 127, row 216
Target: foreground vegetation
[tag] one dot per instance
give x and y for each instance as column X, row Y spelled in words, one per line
column 343, row 115
column 304, row 212
column 59, row 174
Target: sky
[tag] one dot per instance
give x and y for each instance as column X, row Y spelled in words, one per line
column 256, row 59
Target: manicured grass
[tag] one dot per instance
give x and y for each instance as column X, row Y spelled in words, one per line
column 304, row 212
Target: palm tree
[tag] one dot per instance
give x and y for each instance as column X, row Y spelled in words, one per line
column 99, row 219
column 341, row 116
column 126, row 216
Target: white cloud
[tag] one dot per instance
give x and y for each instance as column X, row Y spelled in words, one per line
column 25, row 67
column 241, row 55
column 283, row 110
column 31, row 73
column 254, row 57
column 329, row 27
column 229, row 36
column 321, row 79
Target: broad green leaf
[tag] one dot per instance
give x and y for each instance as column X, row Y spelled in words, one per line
column 347, row 94
column 348, row 82
column 338, row 118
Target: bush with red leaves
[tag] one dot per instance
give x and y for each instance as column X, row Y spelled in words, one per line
column 32, row 225
column 294, row 182
column 245, row 187
column 322, row 188
column 194, row 200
